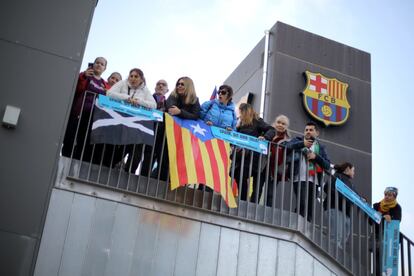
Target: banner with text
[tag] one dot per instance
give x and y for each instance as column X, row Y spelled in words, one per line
column 357, row 200
column 390, row 248
column 241, row 140
column 121, row 106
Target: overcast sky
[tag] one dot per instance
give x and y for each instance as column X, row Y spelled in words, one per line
column 206, row 40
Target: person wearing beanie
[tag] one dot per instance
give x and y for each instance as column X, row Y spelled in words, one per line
column 388, row 206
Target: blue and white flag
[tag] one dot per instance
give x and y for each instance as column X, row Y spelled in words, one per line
column 390, row 248
column 116, row 128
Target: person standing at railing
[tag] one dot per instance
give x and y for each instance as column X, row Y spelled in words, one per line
column 310, row 159
column 388, row 206
column 114, row 78
column 90, row 80
column 182, row 102
column 251, row 124
column 281, row 125
column 390, row 210
column 161, row 88
column 134, row 91
column 220, row 112
column 334, row 212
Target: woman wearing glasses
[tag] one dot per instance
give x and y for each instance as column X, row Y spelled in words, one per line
column 220, row 112
column 183, row 103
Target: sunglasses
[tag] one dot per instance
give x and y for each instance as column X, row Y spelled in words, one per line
column 180, row 84
column 222, row 92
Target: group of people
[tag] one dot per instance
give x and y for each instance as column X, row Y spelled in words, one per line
column 309, row 155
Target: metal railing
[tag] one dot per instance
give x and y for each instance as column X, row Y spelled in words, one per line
column 316, row 210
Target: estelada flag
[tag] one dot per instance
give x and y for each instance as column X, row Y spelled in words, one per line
column 197, row 157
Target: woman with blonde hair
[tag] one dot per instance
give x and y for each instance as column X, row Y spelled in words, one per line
column 251, row 124
column 183, row 101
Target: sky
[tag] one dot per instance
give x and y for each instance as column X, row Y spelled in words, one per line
column 206, row 40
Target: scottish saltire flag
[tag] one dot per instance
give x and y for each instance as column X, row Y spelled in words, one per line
column 116, row 128
column 214, row 94
column 197, row 157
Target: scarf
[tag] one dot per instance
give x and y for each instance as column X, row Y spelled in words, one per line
column 385, row 206
column 314, row 169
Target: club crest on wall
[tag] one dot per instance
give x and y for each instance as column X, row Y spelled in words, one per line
column 325, row 99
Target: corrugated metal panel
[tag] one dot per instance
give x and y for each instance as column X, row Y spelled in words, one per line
column 228, row 252
column 97, row 253
column 286, row 258
column 123, row 239
column 54, row 234
column 89, row 236
column 248, row 254
column 267, row 256
column 209, row 243
column 144, row 250
column 304, row 263
column 188, row 246
column 78, row 234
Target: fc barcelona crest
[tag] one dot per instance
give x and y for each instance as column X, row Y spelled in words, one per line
column 325, row 99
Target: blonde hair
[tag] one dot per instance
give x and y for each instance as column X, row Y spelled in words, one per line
column 247, row 114
column 190, row 96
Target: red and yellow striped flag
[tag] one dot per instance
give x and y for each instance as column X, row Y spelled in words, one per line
column 196, row 157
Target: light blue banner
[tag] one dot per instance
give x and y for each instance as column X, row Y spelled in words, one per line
column 241, row 140
column 390, row 248
column 357, row 200
column 120, row 106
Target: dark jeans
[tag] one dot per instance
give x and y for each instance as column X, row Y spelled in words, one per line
column 243, row 182
column 305, row 187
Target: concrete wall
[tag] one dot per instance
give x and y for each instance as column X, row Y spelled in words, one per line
column 292, row 52
column 41, row 48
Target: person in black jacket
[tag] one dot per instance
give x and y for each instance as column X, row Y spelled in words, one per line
column 334, row 212
column 310, row 159
column 390, row 210
column 182, row 102
column 251, row 124
column 388, row 206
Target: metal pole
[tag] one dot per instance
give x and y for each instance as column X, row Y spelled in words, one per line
column 264, row 79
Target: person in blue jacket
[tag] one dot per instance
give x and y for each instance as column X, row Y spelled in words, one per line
column 220, row 112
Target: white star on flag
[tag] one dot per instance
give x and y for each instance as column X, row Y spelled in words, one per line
column 198, row 129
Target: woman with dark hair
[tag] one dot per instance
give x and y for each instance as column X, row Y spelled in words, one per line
column 251, row 124
column 89, row 81
column 334, row 212
column 220, row 112
column 134, row 91
column 114, row 78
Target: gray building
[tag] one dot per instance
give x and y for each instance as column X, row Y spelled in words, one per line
column 292, row 52
column 61, row 216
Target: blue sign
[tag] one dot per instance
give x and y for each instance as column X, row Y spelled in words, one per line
column 357, row 200
column 121, row 106
column 390, row 248
column 241, row 140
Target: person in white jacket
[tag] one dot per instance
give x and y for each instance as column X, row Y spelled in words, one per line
column 133, row 90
